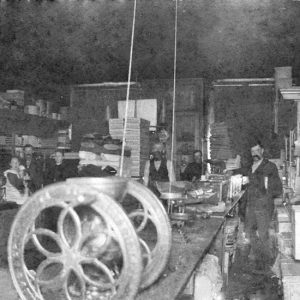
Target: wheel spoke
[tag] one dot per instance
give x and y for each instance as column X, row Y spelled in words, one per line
column 139, row 213
column 106, row 273
column 146, row 252
column 78, row 287
column 69, row 211
column 44, row 269
column 50, row 234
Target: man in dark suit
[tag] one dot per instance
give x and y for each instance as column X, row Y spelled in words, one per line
column 33, row 167
column 263, row 186
column 195, row 169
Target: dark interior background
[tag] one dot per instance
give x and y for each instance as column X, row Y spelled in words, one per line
column 46, row 45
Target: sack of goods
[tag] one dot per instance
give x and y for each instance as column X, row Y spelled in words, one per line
column 100, row 156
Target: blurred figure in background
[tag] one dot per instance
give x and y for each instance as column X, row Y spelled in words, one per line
column 195, row 169
column 16, row 188
column 33, row 167
column 158, row 168
column 57, row 169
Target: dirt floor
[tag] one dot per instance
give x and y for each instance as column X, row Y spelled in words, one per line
column 245, row 283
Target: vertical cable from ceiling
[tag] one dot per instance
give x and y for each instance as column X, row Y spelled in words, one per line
column 128, row 90
column 174, row 88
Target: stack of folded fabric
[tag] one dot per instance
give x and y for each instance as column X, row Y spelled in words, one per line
column 101, row 156
column 137, row 138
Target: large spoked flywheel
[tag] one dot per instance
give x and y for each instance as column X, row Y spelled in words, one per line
column 71, row 241
column 148, row 216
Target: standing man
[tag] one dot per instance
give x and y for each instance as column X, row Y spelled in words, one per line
column 158, row 168
column 195, row 169
column 33, row 167
column 263, row 186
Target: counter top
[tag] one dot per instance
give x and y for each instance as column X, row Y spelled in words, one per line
column 186, row 256
column 184, row 259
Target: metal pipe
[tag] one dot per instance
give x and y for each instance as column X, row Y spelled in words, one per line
column 228, row 85
column 261, row 84
column 105, row 84
column 250, row 84
column 245, row 80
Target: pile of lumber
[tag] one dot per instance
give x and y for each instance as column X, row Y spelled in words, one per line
column 137, row 139
column 220, row 144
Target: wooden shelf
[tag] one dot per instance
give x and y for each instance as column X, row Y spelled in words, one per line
column 18, row 122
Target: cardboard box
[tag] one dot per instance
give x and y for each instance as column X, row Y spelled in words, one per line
column 296, row 231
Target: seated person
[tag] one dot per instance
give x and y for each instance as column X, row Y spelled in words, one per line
column 15, row 187
column 195, row 169
column 57, row 169
column 158, row 169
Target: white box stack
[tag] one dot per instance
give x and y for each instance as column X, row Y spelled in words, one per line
column 290, row 272
column 296, row 231
column 137, row 138
column 17, row 96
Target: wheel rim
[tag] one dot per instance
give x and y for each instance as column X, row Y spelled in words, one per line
column 150, row 211
column 82, row 265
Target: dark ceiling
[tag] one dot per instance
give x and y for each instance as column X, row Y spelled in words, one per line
column 47, row 44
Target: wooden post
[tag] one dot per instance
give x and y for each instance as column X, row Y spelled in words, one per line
column 197, row 131
column 293, row 93
column 163, row 111
column 13, row 144
column 276, row 104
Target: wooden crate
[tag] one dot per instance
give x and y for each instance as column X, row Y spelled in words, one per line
column 296, row 231
column 290, row 271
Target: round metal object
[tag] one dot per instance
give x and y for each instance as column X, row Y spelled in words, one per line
column 90, row 252
column 150, row 211
column 171, row 196
column 181, row 216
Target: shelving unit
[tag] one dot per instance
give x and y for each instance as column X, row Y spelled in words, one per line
column 18, row 123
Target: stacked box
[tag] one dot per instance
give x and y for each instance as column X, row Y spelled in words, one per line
column 296, row 231
column 282, row 214
column 137, row 138
column 16, row 96
column 220, row 143
column 285, row 244
column 283, row 223
column 6, row 140
column 290, row 271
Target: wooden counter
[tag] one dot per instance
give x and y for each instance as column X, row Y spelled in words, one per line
column 186, row 256
column 184, row 259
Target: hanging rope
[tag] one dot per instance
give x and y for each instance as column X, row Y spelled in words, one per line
column 128, row 90
column 174, row 90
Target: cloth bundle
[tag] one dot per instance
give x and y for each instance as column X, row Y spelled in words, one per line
column 104, row 154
